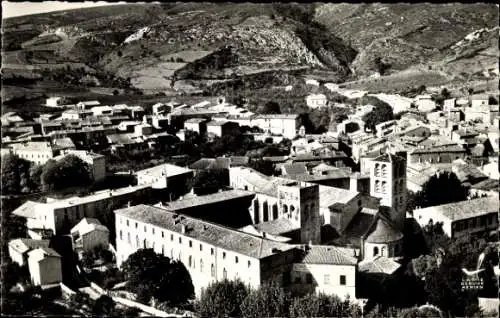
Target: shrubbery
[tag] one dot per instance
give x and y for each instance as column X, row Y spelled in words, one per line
column 234, row 299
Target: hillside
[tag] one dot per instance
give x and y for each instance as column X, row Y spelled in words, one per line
column 176, row 46
column 403, row 35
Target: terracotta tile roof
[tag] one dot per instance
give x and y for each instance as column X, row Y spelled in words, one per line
column 379, row 264
column 294, row 168
column 278, row 226
column 329, row 254
column 217, row 235
column 206, row 199
column 26, row 210
column 382, row 232
column 23, row 245
column 464, row 209
column 195, row 120
column 487, row 185
column 277, row 116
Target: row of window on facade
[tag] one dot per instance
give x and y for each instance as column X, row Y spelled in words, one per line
column 474, row 222
column 308, row 279
column 191, row 261
column 172, row 239
column 431, row 159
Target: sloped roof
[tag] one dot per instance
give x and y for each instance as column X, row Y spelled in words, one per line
column 388, row 157
column 331, row 255
column 294, row 168
column 239, row 160
column 195, row 120
column 487, row 185
column 278, row 226
column 87, row 225
column 206, row 199
column 211, row 163
column 23, row 245
column 252, row 230
column 464, row 209
column 217, row 235
column 324, row 167
column 379, row 264
column 382, row 232
column 26, row 210
column 167, row 168
column 358, row 227
column 41, row 253
column 331, row 195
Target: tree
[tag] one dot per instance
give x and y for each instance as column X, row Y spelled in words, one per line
column 380, row 66
column 271, row 107
column 222, row 299
column 441, row 189
column 104, row 306
column 445, row 94
column 263, row 166
column 210, row 181
column 424, row 264
column 421, row 89
column 152, row 275
column 269, row 300
column 381, row 113
column 68, row 172
column 15, row 174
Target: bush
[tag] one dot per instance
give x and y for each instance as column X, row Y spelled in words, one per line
column 222, row 299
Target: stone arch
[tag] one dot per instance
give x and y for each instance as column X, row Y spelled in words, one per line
column 275, row 211
column 285, row 209
column 375, row 250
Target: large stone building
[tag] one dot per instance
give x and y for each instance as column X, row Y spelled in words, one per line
column 61, row 215
column 471, row 217
column 213, row 252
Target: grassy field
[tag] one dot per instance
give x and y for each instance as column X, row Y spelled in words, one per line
column 399, row 81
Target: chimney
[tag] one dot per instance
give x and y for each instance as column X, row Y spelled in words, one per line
column 183, row 229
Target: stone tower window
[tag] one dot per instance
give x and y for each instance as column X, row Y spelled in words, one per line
column 384, row 171
column 377, row 170
column 375, row 251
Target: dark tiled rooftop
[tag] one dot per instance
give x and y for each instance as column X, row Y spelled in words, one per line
column 216, row 235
